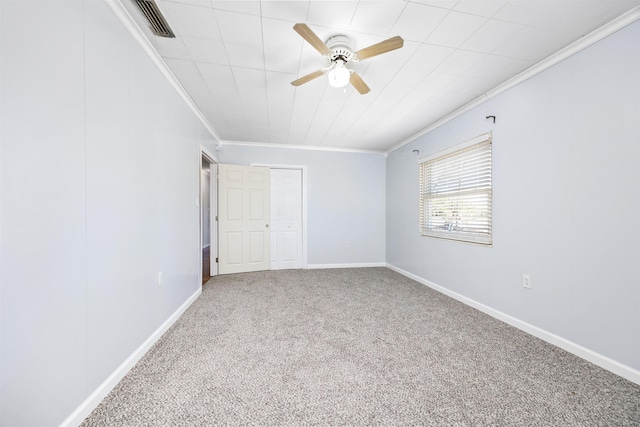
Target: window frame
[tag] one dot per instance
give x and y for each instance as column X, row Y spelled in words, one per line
column 467, row 186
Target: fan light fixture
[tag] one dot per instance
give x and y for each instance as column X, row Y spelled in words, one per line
column 339, row 52
column 339, row 75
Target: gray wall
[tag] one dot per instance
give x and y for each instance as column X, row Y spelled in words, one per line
column 345, row 200
column 99, row 181
column 566, row 202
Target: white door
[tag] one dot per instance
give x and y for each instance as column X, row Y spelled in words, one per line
column 213, row 220
column 286, row 219
column 243, row 219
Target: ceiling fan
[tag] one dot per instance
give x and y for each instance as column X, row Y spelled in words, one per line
column 339, row 52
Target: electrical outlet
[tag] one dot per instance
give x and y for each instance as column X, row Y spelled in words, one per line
column 159, row 280
column 526, row 281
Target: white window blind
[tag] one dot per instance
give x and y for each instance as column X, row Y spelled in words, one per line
column 455, row 194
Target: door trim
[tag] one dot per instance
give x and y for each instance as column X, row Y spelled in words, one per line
column 303, row 170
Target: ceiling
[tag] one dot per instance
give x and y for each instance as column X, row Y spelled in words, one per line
column 237, row 59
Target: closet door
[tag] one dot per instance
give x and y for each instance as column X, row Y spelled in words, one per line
column 286, row 219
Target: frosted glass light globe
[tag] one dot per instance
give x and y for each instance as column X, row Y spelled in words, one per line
column 339, row 75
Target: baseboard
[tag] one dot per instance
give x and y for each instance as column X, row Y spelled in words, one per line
column 90, row 403
column 604, row 362
column 353, row 265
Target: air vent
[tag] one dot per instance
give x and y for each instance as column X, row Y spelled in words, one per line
column 157, row 22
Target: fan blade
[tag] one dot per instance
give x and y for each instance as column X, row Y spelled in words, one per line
column 307, row 78
column 379, row 48
column 311, row 38
column 358, row 83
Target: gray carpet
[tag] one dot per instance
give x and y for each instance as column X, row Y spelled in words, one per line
column 356, row 347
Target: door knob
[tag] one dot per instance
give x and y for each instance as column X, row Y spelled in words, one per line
column 267, row 225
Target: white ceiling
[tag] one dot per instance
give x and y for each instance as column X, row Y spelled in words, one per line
column 236, row 60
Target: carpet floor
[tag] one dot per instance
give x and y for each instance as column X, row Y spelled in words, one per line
column 356, row 347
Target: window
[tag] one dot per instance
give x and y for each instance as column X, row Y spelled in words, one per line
column 455, row 193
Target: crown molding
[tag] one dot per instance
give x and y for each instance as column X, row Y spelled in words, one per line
column 300, row 147
column 125, row 18
column 593, row 37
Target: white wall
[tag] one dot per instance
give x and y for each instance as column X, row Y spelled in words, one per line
column 99, row 181
column 345, row 200
column 566, row 205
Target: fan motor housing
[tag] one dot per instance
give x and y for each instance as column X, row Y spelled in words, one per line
column 341, row 49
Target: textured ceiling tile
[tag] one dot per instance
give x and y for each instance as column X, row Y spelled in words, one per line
column 194, row 21
column 218, row 123
column 486, row 8
column 296, row 137
column 244, row 6
column 274, row 60
column 295, row 11
column 206, row 50
column 278, row 136
column 239, row 28
column 355, row 107
column 444, row 4
column 191, row 79
column 279, row 118
column 472, row 86
column 436, row 81
column 460, row 61
column 201, row 3
column 455, row 29
column 280, row 84
column 241, row 55
column 281, row 45
column 491, row 36
column 376, row 16
column 408, row 77
column 219, row 79
column 523, row 11
column 231, row 108
column 279, row 35
column 171, row 48
column 418, row 21
column 409, row 103
column 593, row 14
column 391, row 96
column 334, row 134
column 336, row 14
column 428, row 57
column 247, row 77
column 379, row 76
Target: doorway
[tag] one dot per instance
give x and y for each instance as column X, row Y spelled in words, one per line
column 284, row 202
column 294, row 180
column 208, row 216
